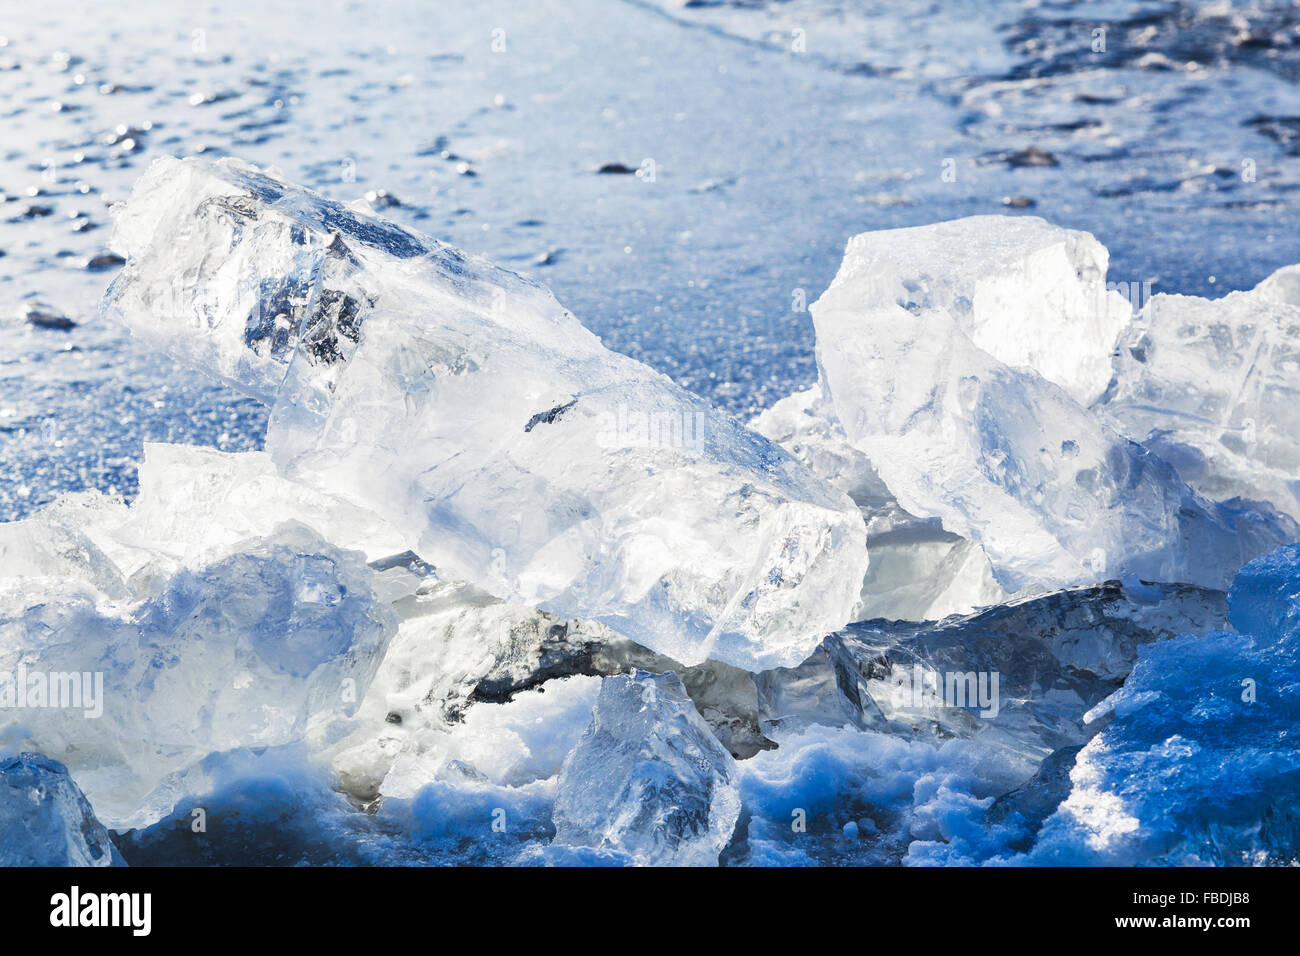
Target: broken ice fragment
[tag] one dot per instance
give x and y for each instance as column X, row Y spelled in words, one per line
column 462, row 403
column 1200, row 762
column 45, row 819
column 918, row 570
column 648, row 777
column 247, row 652
column 1028, row 293
column 1211, row 385
column 1264, row 598
column 1000, row 454
column 1194, row 769
column 1019, row 677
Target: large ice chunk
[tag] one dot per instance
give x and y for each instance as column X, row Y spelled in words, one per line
column 1000, row 454
column 648, row 777
column 1265, row 597
column 45, row 819
column 461, row 402
column 1020, row 677
column 1213, row 385
column 1028, row 293
column 246, row 652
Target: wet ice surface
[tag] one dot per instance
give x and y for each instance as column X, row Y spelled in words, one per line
column 1175, row 147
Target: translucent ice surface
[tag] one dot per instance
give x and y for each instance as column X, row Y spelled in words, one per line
column 1265, row 597
column 1019, row 677
column 461, row 402
column 1028, row 293
column 1185, row 778
column 196, row 506
column 648, row 777
column 246, row 652
column 1213, row 385
column 965, row 425
column 45, row 819
column 919, row 571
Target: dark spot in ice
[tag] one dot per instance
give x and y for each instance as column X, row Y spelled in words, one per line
column 1281, row 129
column 216, row 96
column 271, row 329
column 105, row 260
column 1033, row 156
column 35, row 211
column 393, row 717
column 1096, row 99
column 618, row 169
column 337, row 316
column 549, row 258
column 339, row 251
column 1018, row 202
column 387, row 236
column 44, row 319
column 408, row 560
column 550, row 416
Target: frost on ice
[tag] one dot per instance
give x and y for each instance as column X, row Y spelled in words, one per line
column 45, row 819
column 463, row 403
column 648, row 778
column 1199, row 763
column 988, row 434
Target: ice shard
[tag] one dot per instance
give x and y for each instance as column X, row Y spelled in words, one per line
column 919, row 571
column 648, row 777
column 1211, row 385
column 247, row 652
column 1020, row 676
column 1028, row 293
column 462, row 403
column 45, row 819
column 988, row 443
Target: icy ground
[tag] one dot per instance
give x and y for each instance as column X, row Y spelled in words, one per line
column 473, row 602
column 765, row 162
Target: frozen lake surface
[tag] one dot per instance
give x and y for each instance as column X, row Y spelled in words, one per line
column 742, row 144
